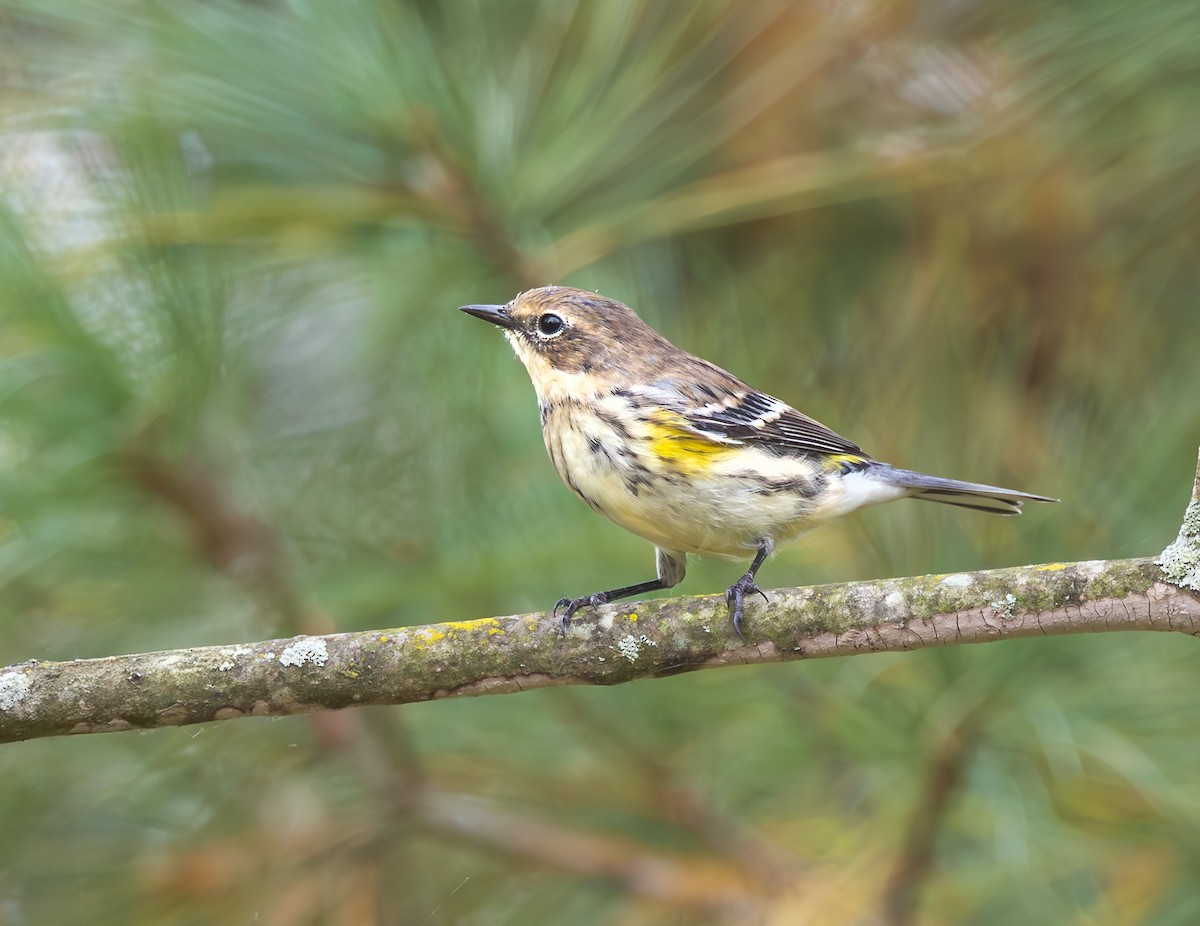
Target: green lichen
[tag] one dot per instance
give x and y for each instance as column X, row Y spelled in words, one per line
column 828, row 610
column 1118, row 580
column 921, row 596
column 1180, row 562
column 1044, row 595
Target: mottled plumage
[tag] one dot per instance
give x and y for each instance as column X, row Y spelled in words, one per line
column 683, row 453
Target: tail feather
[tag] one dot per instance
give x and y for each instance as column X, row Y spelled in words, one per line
column 992, row 499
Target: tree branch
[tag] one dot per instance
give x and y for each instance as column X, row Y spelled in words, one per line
column 615, row 644
column 618, row 643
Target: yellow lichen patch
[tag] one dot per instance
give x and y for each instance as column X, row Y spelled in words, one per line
column 454, row 628
column 469, row 625
column 632, row 616
column 492, row 631
column 1051, row 567
column 384, row 639
column 680, row 448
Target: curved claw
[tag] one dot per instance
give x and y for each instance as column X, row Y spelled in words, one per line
column 735, row 597
column 574, row 604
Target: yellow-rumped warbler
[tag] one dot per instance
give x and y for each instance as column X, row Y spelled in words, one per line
column 676, row 450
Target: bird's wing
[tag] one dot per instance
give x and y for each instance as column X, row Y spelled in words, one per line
column 740, row 414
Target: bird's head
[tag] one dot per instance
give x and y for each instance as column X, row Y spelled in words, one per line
column 562, row 334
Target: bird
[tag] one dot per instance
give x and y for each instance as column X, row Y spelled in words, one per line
column 684, row 454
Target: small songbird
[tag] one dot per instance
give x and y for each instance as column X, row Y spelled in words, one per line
column 680, row 452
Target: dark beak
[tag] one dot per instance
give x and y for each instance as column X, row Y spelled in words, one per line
column 496, row 314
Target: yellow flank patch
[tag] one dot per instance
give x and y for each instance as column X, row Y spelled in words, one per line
column 680, row 448
column 838, row 460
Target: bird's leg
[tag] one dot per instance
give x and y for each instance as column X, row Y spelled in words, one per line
column 736, row 593
column 671, row 566
column 574, row 604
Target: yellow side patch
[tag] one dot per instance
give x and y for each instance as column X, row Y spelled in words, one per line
column 680, row 448
column 838, row 460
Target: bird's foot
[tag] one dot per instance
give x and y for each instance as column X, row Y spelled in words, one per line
column 735, row 597
column 570, row 605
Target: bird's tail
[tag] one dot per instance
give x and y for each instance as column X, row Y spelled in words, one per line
column 991, row 499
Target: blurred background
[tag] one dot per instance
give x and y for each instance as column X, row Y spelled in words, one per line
column 237, row 402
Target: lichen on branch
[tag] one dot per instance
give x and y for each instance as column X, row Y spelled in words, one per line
column 1180, row 561
column 607, row 646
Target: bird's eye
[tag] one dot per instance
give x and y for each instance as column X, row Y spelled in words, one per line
column 550, row 325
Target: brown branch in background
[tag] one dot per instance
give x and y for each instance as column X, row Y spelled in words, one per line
column 914, row 864
column 446, row 181
column 684, row 805
column 706, row 884
column 247, row 550
column 237, row 544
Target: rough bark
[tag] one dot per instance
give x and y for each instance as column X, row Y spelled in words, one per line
column 614, row 644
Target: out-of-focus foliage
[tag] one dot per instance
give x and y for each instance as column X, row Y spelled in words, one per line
column 236, row 401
